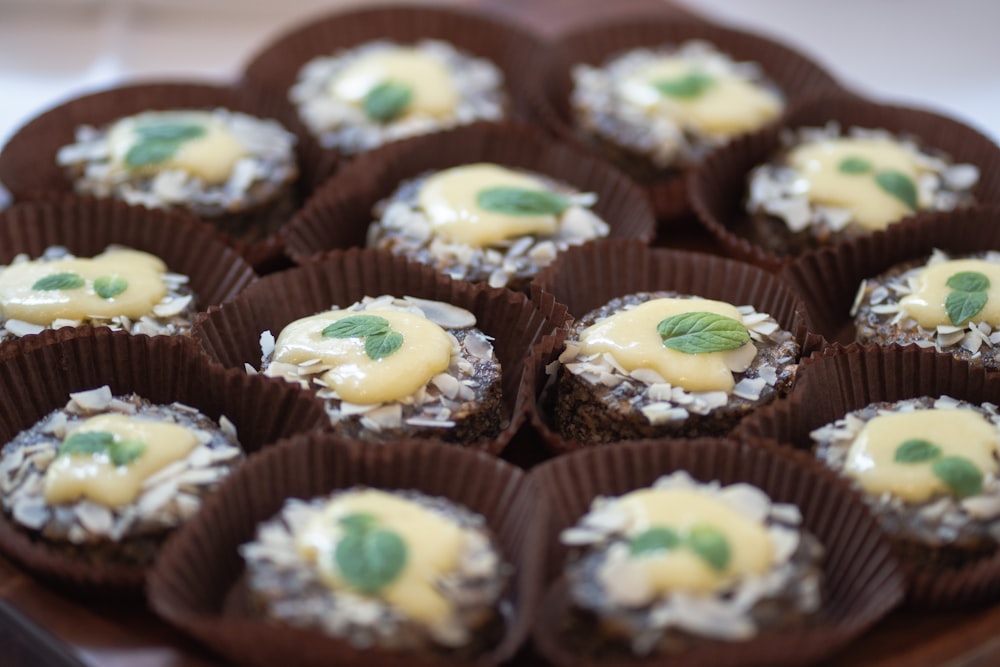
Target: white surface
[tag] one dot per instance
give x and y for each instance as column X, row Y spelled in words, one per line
column 929, row 53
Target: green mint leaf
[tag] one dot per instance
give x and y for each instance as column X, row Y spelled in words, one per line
column 689, row 86
column 67, row 280
column 699, row 332
column 521, row 201
column 358, row 521
column 963, row 306
column 960, row 475
column 108, row 287
column 711, row 545
column 159, row 141
column 123, row 452
column 170, row 131
column 968, row 281
column 382, row 345
column 387, row 101
column 916, row 450
column 369, row 560
column 87, row 442
column 653, row 540
column 854, row 165
column 357, row 326
column 900, row 186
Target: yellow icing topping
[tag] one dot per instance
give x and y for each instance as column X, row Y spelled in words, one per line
column 210, row 156
column 632, row 339
column 95, row 477
column 449, row 199
column 681, row 569
column 433, row 545
column 728, row 105
column 432, row 84
column 926, row 304
column 356, row 377
column 871, row 458
column 821, row 178
column 142, row 272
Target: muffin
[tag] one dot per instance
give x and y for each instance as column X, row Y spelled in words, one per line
column 940, row 302
column 382, row 569
column 120, row 288
column 928, row 469
column 484, row 222
column 831, row 183
column 106, row 478
column 381, row 91
column 662, row 364
column 221, row 165
column 664, row 568
column 390, row 367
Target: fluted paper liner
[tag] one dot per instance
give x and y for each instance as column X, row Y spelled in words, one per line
column 87, row 226
column 841, row 379
column 589, row 276
column 339, row 214
column 718, row 187
column 42, row 371
column 827, row 279
column 199, row 573
column 512, row 49
column 862, row 578
column 231, row 334
column 794, row 73
column 28, row 164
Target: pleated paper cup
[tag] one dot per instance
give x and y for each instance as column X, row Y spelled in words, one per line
column 718, row 187
column 590, row 276
column 198, row 584
column 844, row 378
column 38, row 374
column 339, row 214
column 862, row 581
column 29, row 169
column 231, row 333
column 791, row 71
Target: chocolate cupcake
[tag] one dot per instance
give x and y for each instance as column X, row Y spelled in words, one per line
column 656, row 94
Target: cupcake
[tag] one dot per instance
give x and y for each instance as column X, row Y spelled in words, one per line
column 656, row 94
column 380, row 569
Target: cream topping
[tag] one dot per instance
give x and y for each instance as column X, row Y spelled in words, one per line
column 927, row 303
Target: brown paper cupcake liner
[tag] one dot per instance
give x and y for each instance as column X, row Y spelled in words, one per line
column 38, row 374
column 231, row 334
column 554, row 19
column 197, row 580
column 514, row 50
column 862, row 579
column 87, row 226
column 28, row 165
column 828, row 279
column 589, row 276
column 794, row 73
column 840, row 379
column 339, row 214
column 718, row 187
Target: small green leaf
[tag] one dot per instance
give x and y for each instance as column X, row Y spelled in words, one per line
column 691, row 85
column 963, row 306
column 699, row 332
column 521, row 201
column 916, row 450
column 654, row 539
column 123, row 452
column 854, row 165
column 960, row 475
column 899, row 185
column 382, row 345
column 357, row 326
column 87, row 442
column 370, row 559
column 968, row 281
column 159, row 141
column 108, row 287
column 67, row 280
column 358, row 521
column 711, row 545
column 387, row 101
column 170, row 131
